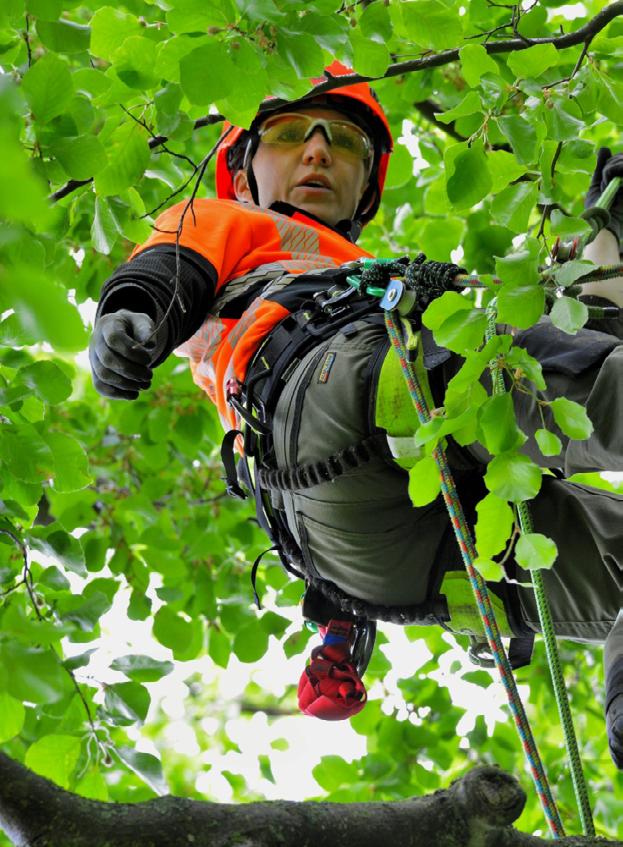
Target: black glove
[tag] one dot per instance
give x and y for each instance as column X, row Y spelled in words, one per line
column 607, row 167
column 122, row 348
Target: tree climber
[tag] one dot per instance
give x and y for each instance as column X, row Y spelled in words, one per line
column 257, row 304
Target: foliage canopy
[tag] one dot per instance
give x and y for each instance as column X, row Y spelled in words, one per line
column 105, row 116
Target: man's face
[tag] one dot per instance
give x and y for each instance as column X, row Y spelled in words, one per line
column 313, row 176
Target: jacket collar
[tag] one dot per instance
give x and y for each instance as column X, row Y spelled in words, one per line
column 350, row 230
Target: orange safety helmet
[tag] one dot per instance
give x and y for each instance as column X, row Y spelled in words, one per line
column 358, row 101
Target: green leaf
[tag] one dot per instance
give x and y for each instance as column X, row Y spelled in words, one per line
column 494, row 525
column 375, row 22
column 520, row 305
column 569, row 314
column 370, row 57
column 571, row 417
column 549, row 444
column 219, row 648
column 197, row 16
column 471, row 181
column 71, row 464
column 46, row 380
column 82, row 157
column 529, row 368
column 424, row 482
column 498, row 425
column 265, row 768
column 135, row 62
column 128, row 156
column 535, row 551
column 533, row 61
column 332, row 772
column 250, row 642
column 400, row 170
column 12, row 716
column 204, row 88
column 46, row 9
column 462, row 331
column 469, row 105
column 522, row 136
column 475, row 63
column 302, row 53
column 430, row 24
column 25, row 454
column 54, row 757
column 566, row 226
column 571, row 271
column 296, row 642
column 109, row 29
column 43, row 308
column 520, row 267
column 183, row 637
column 48, row 87
column 142, row 668
column 33, row 675
column 64, row 36
column 513, row 206
column 513, row 477
column 145, row 766
column 562, row 119
column 504, row 168
column 55, row 542
column 488, row 569
column 127, row 702
column 274, row 624
column 105, row 229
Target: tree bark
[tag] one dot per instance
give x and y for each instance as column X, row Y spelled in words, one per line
column 476, row 811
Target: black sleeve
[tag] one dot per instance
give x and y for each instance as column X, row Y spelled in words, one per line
column 147, row 284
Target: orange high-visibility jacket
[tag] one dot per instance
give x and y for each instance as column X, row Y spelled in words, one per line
column 237, row 239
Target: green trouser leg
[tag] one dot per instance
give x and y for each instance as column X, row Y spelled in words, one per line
column 613, row 666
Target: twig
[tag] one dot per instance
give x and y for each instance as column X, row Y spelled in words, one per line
column 158, row 140
column 189, row 205
column 27, row 581
column 27, row 40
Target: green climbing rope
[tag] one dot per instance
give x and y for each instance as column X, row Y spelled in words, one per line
column 549, row 637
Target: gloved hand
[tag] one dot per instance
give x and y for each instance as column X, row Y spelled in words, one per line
column 122, row 348
column 607, row 167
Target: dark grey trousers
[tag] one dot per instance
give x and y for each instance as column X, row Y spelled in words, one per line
column 361, row 530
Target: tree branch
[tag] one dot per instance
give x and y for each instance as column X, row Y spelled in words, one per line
column 476, row 811
column 436, row 60
column 584, row 36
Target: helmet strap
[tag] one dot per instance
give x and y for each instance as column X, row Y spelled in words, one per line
column 247, row 166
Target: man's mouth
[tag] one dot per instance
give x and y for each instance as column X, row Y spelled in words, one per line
column 317, row 182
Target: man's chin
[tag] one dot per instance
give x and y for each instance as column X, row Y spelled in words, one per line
column 320, row 211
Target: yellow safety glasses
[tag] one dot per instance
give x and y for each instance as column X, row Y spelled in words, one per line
column 290, row 129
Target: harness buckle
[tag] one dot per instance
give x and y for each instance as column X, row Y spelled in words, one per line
column 331, row 301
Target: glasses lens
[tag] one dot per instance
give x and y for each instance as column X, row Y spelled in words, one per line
column 285, row 129
column 293, row 129
column 350, row 140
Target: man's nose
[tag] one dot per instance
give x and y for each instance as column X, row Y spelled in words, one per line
column 317, row 149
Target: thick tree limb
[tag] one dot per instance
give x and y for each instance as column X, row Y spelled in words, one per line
column 476, row 811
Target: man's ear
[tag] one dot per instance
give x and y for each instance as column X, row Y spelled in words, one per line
column 241, row 187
